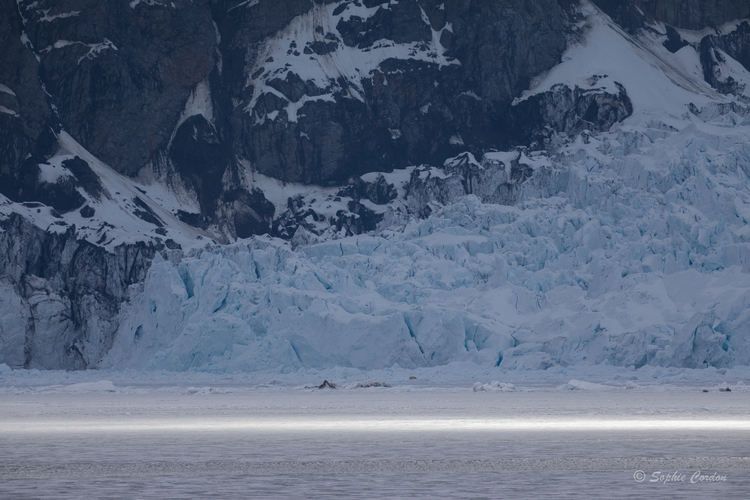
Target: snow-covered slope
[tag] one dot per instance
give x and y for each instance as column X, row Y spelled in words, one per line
column 309, row 50
column 657, row 82
column 115, row 209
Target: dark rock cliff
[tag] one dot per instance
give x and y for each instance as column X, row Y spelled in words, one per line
column 463, row 64
column 186, row 90
column 713, row 52
column 687, row 14
column 27, row 126
column 695, row 14
column 67, row 291
column 118, row 76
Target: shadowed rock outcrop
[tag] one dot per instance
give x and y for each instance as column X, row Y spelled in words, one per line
column 714, row 50
column 65, row 292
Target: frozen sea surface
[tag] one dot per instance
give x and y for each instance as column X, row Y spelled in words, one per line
column 106, row 441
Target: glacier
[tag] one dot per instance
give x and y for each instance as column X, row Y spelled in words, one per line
column 633, row 251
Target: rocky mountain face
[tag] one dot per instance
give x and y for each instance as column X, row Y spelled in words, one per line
column 61, row 294
column 194, row 93
column 211, row 107
column 382, row 85
column 188, row 90
column 27, row 121
column 694, row 14
column 685, row 14
column 714, row 49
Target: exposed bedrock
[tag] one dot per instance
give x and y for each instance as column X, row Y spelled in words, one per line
column 26, row 119
column 184, row 89
column 715, row 51
column 695, row 14
column 61, row 295
column 687, row 14
column 570, row 111
column 462, row 64
column 120, row 73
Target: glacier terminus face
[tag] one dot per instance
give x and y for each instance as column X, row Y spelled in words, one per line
column 633, row 252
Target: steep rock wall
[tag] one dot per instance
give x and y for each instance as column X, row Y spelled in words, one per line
column 61, row 295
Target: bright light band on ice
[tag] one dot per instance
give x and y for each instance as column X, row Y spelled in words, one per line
column 380, row 425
